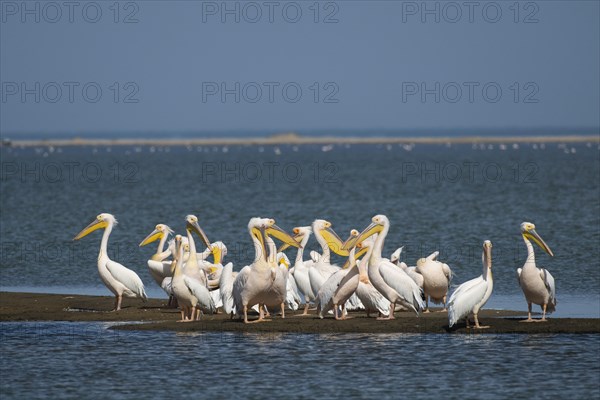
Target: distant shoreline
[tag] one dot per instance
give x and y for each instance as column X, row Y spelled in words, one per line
column 293, row 139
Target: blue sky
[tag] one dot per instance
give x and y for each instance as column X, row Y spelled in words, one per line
column 194, row 66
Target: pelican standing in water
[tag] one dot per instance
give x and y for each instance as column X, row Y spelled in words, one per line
column 472, row 295
column 393, row 283
column 254, row 283
column 537, row 283
column 117, row 278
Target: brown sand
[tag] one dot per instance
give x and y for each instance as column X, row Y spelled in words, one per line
column 156, row 316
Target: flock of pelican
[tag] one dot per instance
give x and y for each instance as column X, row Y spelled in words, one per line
column 367, row 281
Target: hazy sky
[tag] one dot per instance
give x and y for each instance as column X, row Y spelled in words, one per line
column 209, row 66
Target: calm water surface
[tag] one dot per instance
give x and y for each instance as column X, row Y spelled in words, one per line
column 447, row 198
column 86, row 360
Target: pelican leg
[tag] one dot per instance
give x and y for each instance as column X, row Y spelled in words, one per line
column 344, row 312
column 119, row 299
column 305, row 309
column 390, row 314
column 477, row 326
column 246, row 314
column 335, row 312
column 426, row 304
column 544, row 307
column 182, row 315
column 445, row 309
column 267, row 313
column 528, row 314
column 282, row 310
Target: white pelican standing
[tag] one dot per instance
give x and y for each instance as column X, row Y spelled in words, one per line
column 301, row 267
column 329, row 240
column 158, row 267
column 192, row 267
column 254, row 283
column 436, row 278
column 190, row 293
column 370, row 297
column 343, row 282
column 537, row 283
column 117, row 278
column 472, row 295
column 393, row 283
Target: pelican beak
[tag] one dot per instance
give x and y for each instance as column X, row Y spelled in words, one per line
column 97, row 224
column 533, row 235
column 154, row 236
column 216, row 252
column 282, row 235
column 259, row 233
column 358, row 254
column 369, row 231
column 212, row 270
column 334, row 242
column 287, row 266
column 193, row 226
column 297, row 237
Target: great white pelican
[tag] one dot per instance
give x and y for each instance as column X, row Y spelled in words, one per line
column 537, row 283
column 120, row 280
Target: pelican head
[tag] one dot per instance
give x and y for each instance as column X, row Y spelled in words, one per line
column 487, row 254
column 396, row 255
column 218, row 250
column 283, row 259
column 192, row 226
column 260, row 228
column 378, row 223
column 353, row 254
column 160, row 231
column 102, row 221
column 300, row 232
column 528, row 232
column 334, row 242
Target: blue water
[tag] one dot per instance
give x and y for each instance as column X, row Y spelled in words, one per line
column 90, row 361
column 47, row 195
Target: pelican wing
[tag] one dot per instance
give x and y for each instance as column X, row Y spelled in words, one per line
column 166, row 285
column 447, row 272
column 407, row 288
column 415, row 276
column 127, row 278
column 205, row 301
column 327, row 290
column 464, row 298
column 549, row 282
column 226, row 288
column 238, row 286
column 292, row 298
column 372, row 299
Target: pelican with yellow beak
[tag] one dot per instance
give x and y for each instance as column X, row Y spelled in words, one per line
column 254, row 284
column 158, row 267
column 537, row 283
column 469, row 297
column 329, row 241
column 120, row 280
column 393, row 283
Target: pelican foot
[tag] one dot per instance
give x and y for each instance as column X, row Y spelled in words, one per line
column 481, row 327
column 385, row 318
column 527, row 320
column 426, row 311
